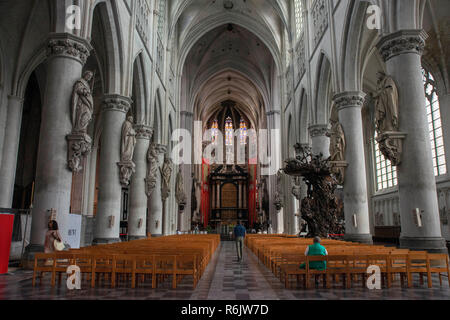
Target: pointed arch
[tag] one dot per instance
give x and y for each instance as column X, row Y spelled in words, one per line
column 157, row 118
column 323, row 90
column 139, row 92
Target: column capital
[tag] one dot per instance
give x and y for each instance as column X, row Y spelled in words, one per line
column 68, row 45
column 115, row 102
column 19, row 99
column 401, row 42
column 186, row 113
column 350, row 99
column 161, row 149
column 317, row 130
column 143, row 131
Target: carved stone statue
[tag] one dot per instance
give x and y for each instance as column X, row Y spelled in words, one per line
column 278, row 198
column 386, row 115
column 386, row 104
column 337, row 148
column 180, row 195
column 126, row 164
column 82, row 105
column 128, row 140
column 81, row 109
column 152, row 170
column 166, row 173
column 296, row 188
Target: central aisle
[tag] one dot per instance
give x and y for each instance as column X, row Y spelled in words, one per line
column 228, row 279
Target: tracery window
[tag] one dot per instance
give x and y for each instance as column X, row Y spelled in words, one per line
column 434, row 124
column 229, row 132
column 243, row 132
column 298, row 6
column 161, row 17
column 214, row 132
column 386, row 174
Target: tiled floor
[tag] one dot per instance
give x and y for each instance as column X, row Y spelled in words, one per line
column 224, row 279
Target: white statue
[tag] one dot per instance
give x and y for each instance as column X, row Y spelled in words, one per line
column 128, row 140
column 386, row 104
column 82, row 103
column 166, row 173
column 152, row 164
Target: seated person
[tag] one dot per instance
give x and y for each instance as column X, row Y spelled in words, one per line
column 316, row 249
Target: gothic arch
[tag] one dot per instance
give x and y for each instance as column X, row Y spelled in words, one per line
column 323, row 90
column 111, row 47
column 157, row 118
column 139, row 90
column 304, row 118
column 358, row 42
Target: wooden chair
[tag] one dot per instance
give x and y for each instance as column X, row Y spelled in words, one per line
column 314, row 272
column 292, row 268
column 418, row 263
column 101, row 265
column 122, row 266
column 43, row 262
column 397, row 265
column 438, row 263
column 337, row 267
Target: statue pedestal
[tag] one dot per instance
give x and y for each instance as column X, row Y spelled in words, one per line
column 390, row 143
column 126, row 170
column 338, row 170
column 79, row 145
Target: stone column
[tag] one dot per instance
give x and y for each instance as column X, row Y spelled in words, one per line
column 10, row 151
column 137, row 219
column 66, row 56
column 155, row 205
column 320, row 140
column 356, row 207
column 240, row 195
column 107, row 220
column 218, row 195
column 402, row 52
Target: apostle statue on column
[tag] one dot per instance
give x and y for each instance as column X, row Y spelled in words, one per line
column 387, row 119
column 81, row 110
column 152, row 171
column 166, row 173
column 126, row 164
column 82, row 106
column 386, row 104
column 128, row 140
column 180, row 195
column 337, row 147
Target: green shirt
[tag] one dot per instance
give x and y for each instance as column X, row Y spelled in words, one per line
column 316, row 249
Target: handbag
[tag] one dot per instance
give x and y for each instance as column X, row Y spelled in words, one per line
column 59, row 245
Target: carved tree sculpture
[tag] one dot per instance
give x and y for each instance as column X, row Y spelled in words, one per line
column 278, row 198
column 321, row 209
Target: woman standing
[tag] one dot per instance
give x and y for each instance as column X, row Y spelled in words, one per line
column 50, row 237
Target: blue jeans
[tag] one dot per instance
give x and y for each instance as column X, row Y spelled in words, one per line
column 239, row 246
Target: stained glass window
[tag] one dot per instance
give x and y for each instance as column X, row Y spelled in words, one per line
column 243, row 132
column 214, row 131
column 229, row 132
column 434, row 124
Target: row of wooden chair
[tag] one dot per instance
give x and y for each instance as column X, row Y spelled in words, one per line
column 346, row 260
column 157, row 259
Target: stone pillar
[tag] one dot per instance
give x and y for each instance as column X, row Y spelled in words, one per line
column 356, row 207
column 137, row 219
column 213, row 195
column 402, row 52
column 107, row 220
column 218, row 194
column 92, row 181
column 10, row 151
column 240, row 195
column 320, row 140
column 66, row 56
column 155, row 205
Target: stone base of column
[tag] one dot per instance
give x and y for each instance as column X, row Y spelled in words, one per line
column 28, row 255
column 432, row 245
column 131, row 238
column 157, row 235
column 105, row 241
column 361, row 238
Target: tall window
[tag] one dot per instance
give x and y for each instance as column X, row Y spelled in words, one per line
column 243, row 132
column 434, row 124
column 162, row 16
column 229, row 132
column 386, row 173
column 214, row 132
column 298, row 5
